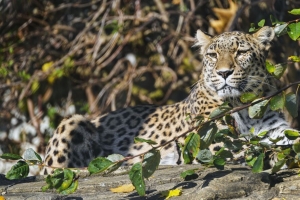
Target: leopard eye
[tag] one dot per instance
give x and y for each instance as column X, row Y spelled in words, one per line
column 241, row 52
column 212, row 55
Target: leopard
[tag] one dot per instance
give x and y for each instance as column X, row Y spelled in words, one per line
column 233, row 63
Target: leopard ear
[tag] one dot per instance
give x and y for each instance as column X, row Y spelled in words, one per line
column 202, row 40
column 265, row 35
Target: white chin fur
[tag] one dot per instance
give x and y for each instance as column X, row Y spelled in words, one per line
column 225, row 93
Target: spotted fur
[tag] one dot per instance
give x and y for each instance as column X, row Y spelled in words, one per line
column 233, row 63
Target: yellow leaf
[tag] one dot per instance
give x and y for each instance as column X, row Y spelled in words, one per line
column 123, row 188
column 2, row 198
column 51, row 79
column 35, row 86
column 47, row 66
column 224, row 16
column 171, row 193
column 176, row 2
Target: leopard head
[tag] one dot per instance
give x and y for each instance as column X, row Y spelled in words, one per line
column 234, row 62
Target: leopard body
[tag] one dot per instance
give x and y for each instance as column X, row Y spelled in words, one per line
column 233, row 63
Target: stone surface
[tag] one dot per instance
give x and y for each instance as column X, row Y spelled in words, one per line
column 234, row 182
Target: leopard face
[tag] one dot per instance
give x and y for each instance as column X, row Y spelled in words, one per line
column 234, row 62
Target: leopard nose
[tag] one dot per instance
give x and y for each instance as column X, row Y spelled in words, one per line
column 225, row 73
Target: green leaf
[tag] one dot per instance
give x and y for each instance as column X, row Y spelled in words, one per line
column 279, row 70
column 296, row 147
column 245, row 135
column 19, row 170
column 137, row 179
column 114, row 158
column 291, row 104
column 258, row 164
column 278, row 165
column 286, row 151
column 198, row 120
column 235, row 145
column 188, row 117
column 252, row 28
column 294, row 30
column 205, row 156
column 150, row 162
column 275, row 140
column 71, row 189
column 187, row 173
column 257, row 110
column 275, row 70
column 57, row 178
column 250, row 160
column 295, row 11
column 294, row 58
column 270, row 67
column 99, row 164
column 247, row 97
column 49, row 184
column 267, row 145
column 67, row 180
column 220, row 110
column 139, row 140
column 221, row 134
column 254, row 140
column 30, row 154
column 277, row 102
column 11, row 156
column 191, row 147
column 222, row 153
column 207, row 133
column 280, row 29
column 62, row 180
column 24, row 75
column 219, row 163
column 45, row 188
column 261, row 23
column 283, row 154
column 280, row 156
column 262, row 134
column 291, row 134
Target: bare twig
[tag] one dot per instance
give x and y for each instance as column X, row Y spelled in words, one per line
column 99, row 40
column 162, row 10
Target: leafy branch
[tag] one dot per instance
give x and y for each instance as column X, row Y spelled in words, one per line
column 65, row 180
column 192, row 144
column 233, row 110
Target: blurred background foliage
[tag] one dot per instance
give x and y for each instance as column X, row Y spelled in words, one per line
column 58, row 58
